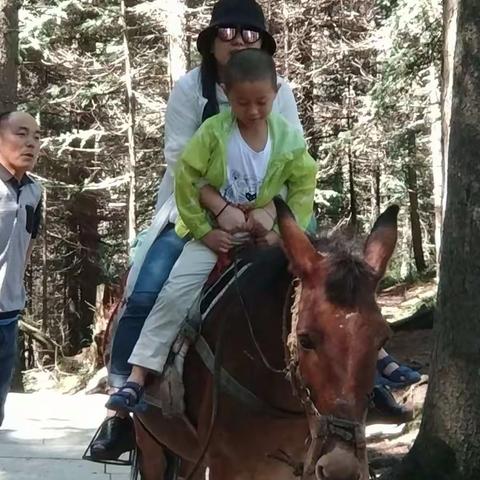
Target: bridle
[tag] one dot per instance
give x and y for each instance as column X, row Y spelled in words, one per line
column 322, row 427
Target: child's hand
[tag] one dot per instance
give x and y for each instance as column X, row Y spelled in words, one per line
column 218, row 240
column 259, row 222
column 269, row 239
column 232, row 220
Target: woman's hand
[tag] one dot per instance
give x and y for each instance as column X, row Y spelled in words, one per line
column 218, row 241
column 269, row 239
column 260, row 221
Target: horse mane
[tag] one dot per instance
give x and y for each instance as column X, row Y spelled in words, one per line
column 349, row 277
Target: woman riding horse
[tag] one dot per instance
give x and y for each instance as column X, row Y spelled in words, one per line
column 195, row 97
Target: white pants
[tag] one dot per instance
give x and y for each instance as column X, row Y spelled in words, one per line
column 162, row 325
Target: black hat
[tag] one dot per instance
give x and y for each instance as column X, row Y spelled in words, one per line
column 244, row 13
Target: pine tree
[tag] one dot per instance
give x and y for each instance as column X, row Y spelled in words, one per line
column 8, row 54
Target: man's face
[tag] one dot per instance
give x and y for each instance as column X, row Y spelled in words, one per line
column 19, row 143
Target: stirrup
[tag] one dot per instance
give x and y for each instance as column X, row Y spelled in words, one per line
column 87, row 455
column 135, row 473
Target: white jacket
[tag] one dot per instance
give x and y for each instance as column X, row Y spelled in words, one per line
column 183, row 117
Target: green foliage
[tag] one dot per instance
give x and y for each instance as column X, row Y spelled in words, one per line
column 360, row 73
column 409, row 43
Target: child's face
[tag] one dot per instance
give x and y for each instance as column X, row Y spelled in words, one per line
column 251, row 102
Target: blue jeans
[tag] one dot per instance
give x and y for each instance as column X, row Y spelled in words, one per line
column 155, row 270
column 8, row 353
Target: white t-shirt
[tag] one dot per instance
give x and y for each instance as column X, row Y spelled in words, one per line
column 246, row 169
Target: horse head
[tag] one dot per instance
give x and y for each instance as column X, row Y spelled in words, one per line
column 338, row 331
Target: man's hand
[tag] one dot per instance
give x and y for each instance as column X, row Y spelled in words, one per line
column 218, row 241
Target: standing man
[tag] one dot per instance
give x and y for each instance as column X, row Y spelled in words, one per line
column 20, row 214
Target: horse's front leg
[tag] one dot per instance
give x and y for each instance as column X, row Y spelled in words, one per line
column 153, row 462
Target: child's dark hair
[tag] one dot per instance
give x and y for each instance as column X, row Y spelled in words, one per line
column 250, row 65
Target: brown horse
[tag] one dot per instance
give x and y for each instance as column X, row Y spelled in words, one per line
column 314, row 430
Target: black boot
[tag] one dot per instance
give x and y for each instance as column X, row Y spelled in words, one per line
column 385, row 409
column 116, row 436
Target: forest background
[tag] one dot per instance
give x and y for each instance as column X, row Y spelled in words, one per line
column 97, row 75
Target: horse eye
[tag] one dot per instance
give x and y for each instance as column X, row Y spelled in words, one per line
column 305, row 341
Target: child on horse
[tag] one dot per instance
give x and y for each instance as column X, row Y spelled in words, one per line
column 248, row 154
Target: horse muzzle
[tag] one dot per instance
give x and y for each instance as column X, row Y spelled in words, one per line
column 341, row 463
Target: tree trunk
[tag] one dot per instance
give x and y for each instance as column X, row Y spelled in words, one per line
column 376, row 184
column 130, row 97
column 304, row 58
column 352, row 192
column 8, row 54
column 82, row 264
column 450, row 27
column 286, row 39
column 351, row 161
column 177, row 60
column 448, row 445
column 415, row 225
column 90, row 271
column 44, row 262
column 437, row 161
column 412, row 186
column 82, row 260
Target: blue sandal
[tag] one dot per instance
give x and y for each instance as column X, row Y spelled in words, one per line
column 129, row 398
column 401, row 377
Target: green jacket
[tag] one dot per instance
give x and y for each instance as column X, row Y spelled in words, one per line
column 204, row 162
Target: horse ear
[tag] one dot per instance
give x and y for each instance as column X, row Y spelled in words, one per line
column 299, row 249
column 381, row 242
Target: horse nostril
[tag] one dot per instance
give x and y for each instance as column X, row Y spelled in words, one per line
column 319, row 473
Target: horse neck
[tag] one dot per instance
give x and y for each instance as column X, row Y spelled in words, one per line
column 253, row 340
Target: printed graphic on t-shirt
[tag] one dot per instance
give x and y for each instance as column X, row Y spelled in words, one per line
column 241, row 188
column 246, row 169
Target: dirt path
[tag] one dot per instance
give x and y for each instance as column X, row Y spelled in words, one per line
column 388, row 445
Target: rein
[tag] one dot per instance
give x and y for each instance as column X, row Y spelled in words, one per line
column 246, row 313
column 217, row 367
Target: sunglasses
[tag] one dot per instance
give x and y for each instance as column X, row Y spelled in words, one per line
column 227, row 34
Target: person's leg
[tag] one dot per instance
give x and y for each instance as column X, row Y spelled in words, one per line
column 116, row 433
column 173, row 303
column 155, row 270
column 162, row 325
column 8, row 351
